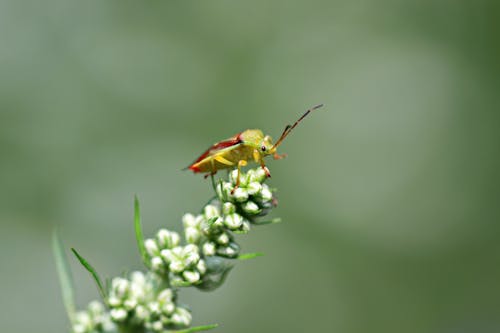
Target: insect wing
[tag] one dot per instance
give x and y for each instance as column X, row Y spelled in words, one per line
column 215, row 148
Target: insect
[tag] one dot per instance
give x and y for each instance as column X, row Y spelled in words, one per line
column 236, row 151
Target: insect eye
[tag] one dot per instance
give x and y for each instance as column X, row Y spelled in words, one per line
column 263, row 148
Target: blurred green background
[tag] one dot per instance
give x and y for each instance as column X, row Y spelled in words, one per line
column 389, row 196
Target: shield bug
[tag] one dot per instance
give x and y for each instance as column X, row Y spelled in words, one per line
column 248, row 145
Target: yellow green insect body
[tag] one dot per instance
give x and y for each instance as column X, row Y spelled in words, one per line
column 235, row 152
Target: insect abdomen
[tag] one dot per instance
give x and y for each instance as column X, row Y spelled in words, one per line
column 223, row 160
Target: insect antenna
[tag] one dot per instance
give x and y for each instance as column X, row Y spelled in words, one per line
column 289, row 128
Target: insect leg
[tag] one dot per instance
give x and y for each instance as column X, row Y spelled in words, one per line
column 263, row 166
column 241, row 163
column 277, row 156
column 211, row 174
column 221, row 159
column 256, row 156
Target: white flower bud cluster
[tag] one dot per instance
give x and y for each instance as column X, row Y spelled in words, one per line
column 211, row 232
column 137, row 301
column 94, row 319
column 143, row 300
column 251, row 198
column 165, row 240
column 232, row 212
column 193, row 227
column 164, row 314
column 185, row 264
column 167, row 257
column 128, row 298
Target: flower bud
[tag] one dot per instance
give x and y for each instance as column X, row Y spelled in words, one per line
column 191, row 276
column 154, row 307
column 211, row 211
column 233, row 221
column 118, row 314
column 266, row 193
column 166, row 295
column 175, row 239
column 130, row 304
column 114, row 301
column 157, row 326
column 137, row 291
column 223, row 239
column 254, row 188
column 192, row 235
column 240, row 195
column 168, row 308
column 233, row 176
column 167, row 239
column 201, row 266
column 230, row 251
column 157, row 264
column 141, row 312
column 191, row 248
column 259, row 175
column 151, row 247
column 96, row 308
column 228, row 208
column 188, row 220
column 246, row 226
column 218, row 222
column 191, row 258
column 138, row 277
column 168, row 255
column 181, row 317
column 227, row 188
column 108, row 325
column 209, row 249
column 176, row 266
column 178, row 251
column 79, row 328
column 251, row 207
column 120, row 286
column 84, row 319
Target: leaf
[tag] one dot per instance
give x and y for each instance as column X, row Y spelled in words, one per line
column 64, row 273
column 138, row 232
column 272, row 221
column 92, row 272
column 196, row 329
column 217, row 272
column 247, row 256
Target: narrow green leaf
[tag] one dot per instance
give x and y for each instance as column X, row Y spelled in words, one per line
column 64, row 273
column 138, row 232
column 92, row 272
column 272, row 221
column 196, row 329
column 247, row 256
